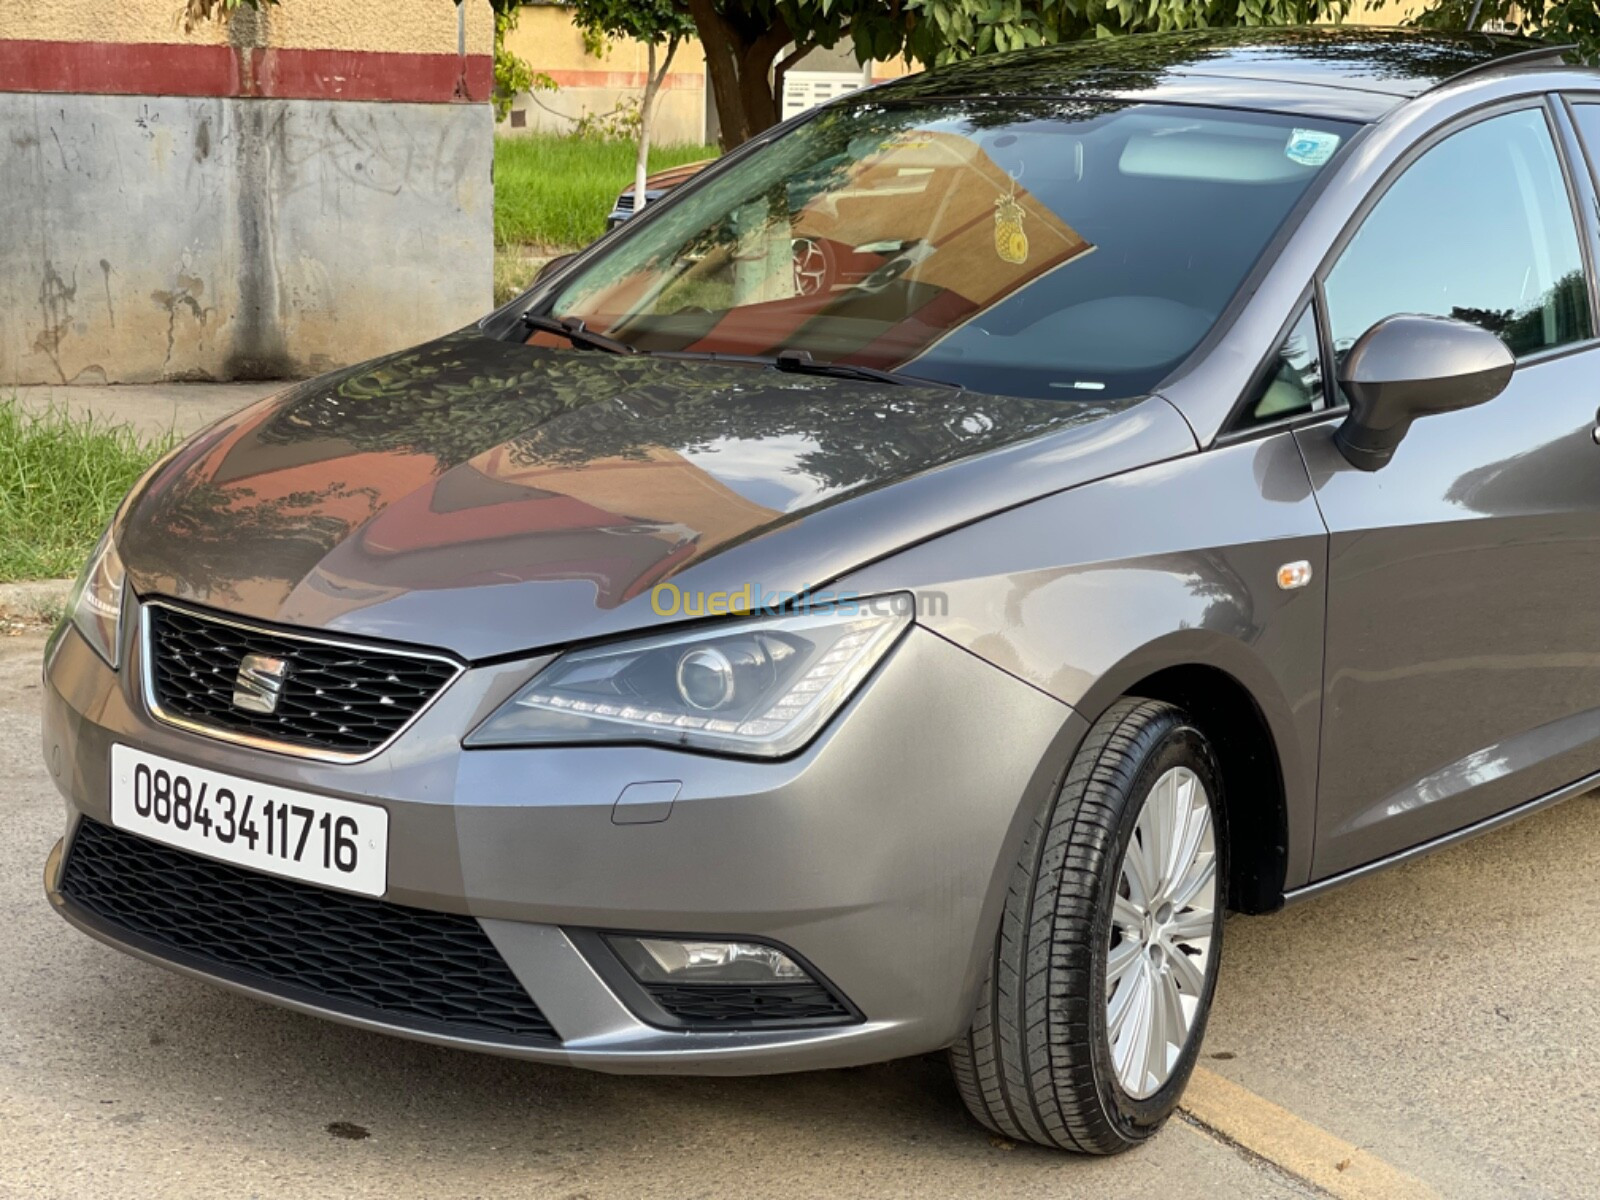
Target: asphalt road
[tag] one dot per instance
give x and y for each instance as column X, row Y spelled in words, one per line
column 1445, row 1018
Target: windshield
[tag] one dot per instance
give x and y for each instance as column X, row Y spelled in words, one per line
column 1080, row 254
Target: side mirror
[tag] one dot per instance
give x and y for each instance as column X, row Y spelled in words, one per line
column 551, row 267
column 1407, row 367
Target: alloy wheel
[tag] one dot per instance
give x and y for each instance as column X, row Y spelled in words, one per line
column 1163, row 917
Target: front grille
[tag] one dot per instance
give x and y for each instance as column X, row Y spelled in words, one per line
column 714, row 1004
column 338, row 698
column 429, row 971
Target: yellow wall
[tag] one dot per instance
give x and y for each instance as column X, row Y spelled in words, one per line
column 400, row 26
column 547, row 38
column 1390, row 12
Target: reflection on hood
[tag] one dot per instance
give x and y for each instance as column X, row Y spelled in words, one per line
column 471, row 462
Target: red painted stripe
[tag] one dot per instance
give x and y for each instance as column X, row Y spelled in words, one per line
column 623, row 79
column 169, row 69
column 367, row 75
column 145, row 69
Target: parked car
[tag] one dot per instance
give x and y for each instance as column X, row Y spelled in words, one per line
column 656, row 186
column 1170, row 492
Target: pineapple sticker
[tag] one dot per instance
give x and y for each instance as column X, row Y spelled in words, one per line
column 1010, row 243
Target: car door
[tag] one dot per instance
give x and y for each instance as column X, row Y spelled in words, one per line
column 1462, row 670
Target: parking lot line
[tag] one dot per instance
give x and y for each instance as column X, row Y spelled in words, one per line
column 1296, row 1146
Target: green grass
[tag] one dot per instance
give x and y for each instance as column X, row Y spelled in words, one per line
column 515, row 268
column 60, row 479
column 555, row 191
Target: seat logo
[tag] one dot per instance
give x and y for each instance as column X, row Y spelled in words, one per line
column 259, row 683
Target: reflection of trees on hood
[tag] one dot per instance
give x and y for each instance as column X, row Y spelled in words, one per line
column 443, row 399
column 867, row 433
column 204, row 535
column 463, row 395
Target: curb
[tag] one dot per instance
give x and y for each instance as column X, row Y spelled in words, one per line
column 36, row 601
column 1328, row 1163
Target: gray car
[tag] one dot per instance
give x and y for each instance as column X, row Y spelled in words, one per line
column 1168, row 488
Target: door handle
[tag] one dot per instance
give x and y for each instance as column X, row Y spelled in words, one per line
column 1595, row 432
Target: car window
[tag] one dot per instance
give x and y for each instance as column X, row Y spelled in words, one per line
column 1479, row 228
column 1295, row 386
column 1587, row 116
column 1060, row 249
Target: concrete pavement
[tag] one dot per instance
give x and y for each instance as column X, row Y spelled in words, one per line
column 153, row 409
column 1439, row 1019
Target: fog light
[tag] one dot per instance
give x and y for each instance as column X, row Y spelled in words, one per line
column 659, row 960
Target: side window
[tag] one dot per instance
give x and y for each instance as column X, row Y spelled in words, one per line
column 1295, row 386
column 1479, row 228
column 1586, row 114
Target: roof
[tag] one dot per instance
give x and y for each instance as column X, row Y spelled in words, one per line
column 1337, row 71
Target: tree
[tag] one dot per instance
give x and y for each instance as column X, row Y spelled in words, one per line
column 512, row 74
column 656, row 23
column 1576, row 21
column 743, row 38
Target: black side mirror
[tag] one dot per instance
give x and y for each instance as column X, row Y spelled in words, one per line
column 551, row 267
column 1407, row 367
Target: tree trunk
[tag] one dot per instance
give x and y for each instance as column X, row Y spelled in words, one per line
column 739, row 58
column 653, row 79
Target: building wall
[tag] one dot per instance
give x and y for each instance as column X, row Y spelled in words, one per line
column 548, row 40
column 406, row 26
column 546, row 37
column 271, row 198
column 1387, row 12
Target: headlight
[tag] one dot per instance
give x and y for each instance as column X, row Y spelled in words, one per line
column 760, row 687
column 95, row 606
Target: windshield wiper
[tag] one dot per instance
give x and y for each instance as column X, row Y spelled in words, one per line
column 573, row 330
column 800, row 362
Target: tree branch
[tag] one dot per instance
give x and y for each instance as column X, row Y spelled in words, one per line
column 765, row 47
column 800, row 51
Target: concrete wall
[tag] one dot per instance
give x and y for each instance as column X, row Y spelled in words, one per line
column 148, row 238
column 272, row 197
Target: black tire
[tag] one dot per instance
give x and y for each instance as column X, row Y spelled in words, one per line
column 1036, row 1065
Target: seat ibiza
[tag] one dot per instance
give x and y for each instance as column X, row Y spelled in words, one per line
column 896, row 593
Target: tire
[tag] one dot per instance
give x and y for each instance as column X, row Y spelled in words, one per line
column 1037, row 1064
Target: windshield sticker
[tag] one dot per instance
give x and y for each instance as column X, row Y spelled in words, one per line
column 1010, row 243
column 1311, row 147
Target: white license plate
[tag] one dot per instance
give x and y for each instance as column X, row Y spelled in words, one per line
column 278, row 830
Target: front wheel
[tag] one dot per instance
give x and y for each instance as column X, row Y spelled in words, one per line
column 1091, row 1017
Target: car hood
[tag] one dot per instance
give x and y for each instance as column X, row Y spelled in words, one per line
column 491, row 498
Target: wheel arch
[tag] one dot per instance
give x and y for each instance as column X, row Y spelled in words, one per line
column 1256, row 811
column 1268, row 779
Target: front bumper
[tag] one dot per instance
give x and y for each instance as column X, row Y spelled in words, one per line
column 880, row 854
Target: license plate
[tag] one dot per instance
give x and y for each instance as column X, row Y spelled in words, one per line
column 277, row 830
